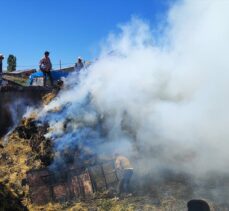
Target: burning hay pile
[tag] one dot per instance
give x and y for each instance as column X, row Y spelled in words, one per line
column 54, row 160
column 35, row 176
column 161, row 101
column 26, row 171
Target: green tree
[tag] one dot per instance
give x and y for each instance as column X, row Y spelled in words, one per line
column 12, row 62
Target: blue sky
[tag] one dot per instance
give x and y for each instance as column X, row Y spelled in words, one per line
column 67, row 28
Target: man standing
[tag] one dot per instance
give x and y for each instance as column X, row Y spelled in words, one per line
column 79, row 65
column 125, row 172
column 1, row 59
column 46, row 66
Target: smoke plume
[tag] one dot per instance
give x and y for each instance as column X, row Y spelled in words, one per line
column 160, row 98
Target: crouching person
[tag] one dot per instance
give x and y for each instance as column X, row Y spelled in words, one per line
column 125, row 172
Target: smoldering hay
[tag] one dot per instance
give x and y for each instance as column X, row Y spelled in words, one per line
column 157, row 95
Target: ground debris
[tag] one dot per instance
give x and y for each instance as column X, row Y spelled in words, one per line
column 33, row 132
column 14, row 159
column 9, row 201
column 46, row 99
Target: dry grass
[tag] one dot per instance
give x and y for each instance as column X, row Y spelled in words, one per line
column 17, row 157
column 19, row 80
column 48, row 97
column 14, row 159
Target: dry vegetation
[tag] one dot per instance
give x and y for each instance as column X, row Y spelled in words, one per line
column 27, row 149
column 18, row 80
column 17, row 157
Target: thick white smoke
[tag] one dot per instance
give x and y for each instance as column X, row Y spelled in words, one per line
column 165, row 98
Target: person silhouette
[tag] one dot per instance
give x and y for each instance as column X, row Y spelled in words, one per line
column 198, row 205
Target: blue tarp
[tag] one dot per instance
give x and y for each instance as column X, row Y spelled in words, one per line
column 56, row 75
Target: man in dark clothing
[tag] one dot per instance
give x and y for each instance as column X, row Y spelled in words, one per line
column 46, row 66
column 125, row 172
column 1, row 59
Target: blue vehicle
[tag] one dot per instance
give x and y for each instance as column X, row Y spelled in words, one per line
column 37, row 78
